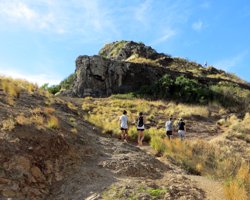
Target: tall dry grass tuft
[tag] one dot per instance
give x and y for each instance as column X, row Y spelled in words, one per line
column 8, row 124
column 13, row 87
column 10, row 88
column 71, row 106
column 238, row 128
column 48, row 110
column 37, row 119
column 53, row 122
column 234, row 190
column 238, row 187
column 22, row 120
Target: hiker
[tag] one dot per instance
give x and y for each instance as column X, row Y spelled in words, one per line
column 169, row 128
column 181, row 129
column 124, row 126
column 140, row 128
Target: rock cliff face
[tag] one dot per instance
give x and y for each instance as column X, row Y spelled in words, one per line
column 99, row 76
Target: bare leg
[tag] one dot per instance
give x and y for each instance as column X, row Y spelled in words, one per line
column 126, row 135
column 139, row 137
column 122, row 135
column 142, row 136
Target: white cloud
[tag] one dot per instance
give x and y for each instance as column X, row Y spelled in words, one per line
column 17, row 11
column 58, row 16
column 166, row 36
column 197, row 26
column 23, row 13
column 141, row 12
column 229, row 63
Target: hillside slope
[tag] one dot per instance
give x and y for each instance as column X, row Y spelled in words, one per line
column 47, row 151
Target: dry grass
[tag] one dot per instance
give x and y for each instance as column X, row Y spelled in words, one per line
column 239, row 186
column 238, row 128
column 74, row 131
column 205, row 159
column 8, row 124
column 105, row 113
column 37, row 110
column 49, row 110
column 10, row 87
column 22, row 120
column 136, row 59
column 37, row 119
column 13, row 87
column 186, row 111
column 71, row 106
column 234, row 191
column 50, row 100
column 10, row 100
column 53, row 122
column 156, row 112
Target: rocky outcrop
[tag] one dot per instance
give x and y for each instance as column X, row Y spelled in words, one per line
column 99, row 76
column 126, row 66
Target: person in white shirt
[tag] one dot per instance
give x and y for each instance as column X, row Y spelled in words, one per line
column 169, row 128
column 124, row 126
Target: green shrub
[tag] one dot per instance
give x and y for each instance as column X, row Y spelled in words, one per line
column 190, row 90
column 67, row 82
column 51, row 89
column 180, row 88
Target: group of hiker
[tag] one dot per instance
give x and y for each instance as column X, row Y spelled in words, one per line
column 140, row 125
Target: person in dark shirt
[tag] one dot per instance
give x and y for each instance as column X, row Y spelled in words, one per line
column 140, row 128
column 181, row 129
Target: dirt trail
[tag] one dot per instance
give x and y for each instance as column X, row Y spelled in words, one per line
column 212, row 188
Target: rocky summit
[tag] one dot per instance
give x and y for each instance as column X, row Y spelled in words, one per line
column 126, row 66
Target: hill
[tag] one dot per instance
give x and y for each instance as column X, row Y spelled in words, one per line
column 67, row 146
column 125, row 66
column 47, row 151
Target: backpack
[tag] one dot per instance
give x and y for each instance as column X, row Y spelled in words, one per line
column 140, row 121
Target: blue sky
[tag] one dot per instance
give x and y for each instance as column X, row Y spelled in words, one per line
column 40, row 39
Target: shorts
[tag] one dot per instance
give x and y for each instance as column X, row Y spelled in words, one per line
column 140, row 128
column 123, row 129
column 181, row 133
column 169, row 132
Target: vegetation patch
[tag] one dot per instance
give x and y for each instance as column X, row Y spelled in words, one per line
column 105, row 113
column 134, row 192
column 187, row 90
